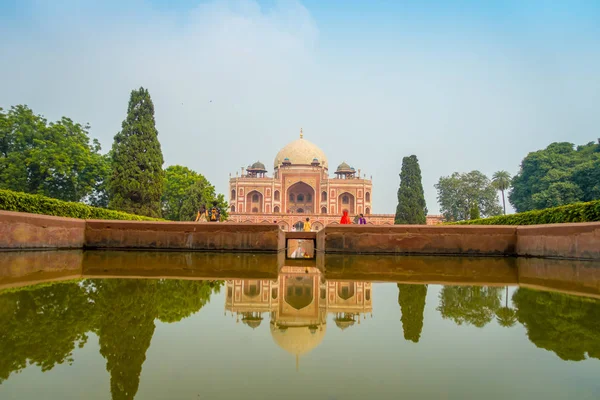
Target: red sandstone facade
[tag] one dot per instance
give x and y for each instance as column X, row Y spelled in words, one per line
column 301, row 187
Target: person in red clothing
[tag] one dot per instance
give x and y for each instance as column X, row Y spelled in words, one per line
column 345, row 219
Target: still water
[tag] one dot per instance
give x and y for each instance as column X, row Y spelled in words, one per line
column 125, row 325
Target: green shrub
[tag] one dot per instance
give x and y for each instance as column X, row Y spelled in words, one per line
column 576, row 212
column 37, row 204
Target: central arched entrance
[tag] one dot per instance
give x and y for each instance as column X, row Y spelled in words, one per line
column 301, row 198
column 346, row 203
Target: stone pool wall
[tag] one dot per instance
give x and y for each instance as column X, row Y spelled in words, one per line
column 32, row 231
column 419, row 239
column 572, row 241
column 576, row 241
column 183, row 236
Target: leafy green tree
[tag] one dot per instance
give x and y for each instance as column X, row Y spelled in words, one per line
column 137, row 180
column 557, row 175
column 411, row 200
column 506, row 316
column 99, row 196
column 501, row 181
column 54, row 159
column 200, row 194
column 474, row 212
column 567, row 325
column 412, row 304
column 178, row 180
column 473, row 305
column 458, row 193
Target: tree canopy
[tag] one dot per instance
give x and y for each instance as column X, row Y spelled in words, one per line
column 55, row 159
column 458, row 194
column 137, row 180
column 411, row 200
column 557, row 175
column 178, row 180
column 200, row 194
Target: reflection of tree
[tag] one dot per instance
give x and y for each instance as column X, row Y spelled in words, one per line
column 567, row 325
column 506, row 316
column 41, row 326
column 473, row 305
column 126, row 309
column 412, row 304
column 178, row 299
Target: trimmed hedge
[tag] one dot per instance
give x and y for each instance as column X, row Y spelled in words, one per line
column 38, row 204
column 576, row 212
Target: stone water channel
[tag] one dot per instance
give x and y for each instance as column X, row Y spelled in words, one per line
column 192, row 325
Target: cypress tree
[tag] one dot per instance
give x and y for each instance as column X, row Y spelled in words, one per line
column 411, row 200
column 136, row 184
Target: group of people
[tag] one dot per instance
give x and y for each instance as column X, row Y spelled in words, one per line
column 360, row 220
column 212, row 215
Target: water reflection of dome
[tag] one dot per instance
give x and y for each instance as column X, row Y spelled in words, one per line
column 300, row 152
column 298, row 340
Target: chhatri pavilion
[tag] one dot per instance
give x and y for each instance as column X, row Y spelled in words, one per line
column 301, row 187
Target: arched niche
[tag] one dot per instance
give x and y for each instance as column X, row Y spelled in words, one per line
column 254, row 201
column 346, row 202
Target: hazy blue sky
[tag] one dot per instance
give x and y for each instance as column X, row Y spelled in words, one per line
column 463, row 85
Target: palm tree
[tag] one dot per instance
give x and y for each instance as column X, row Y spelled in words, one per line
column 506, row 316
column 501, row 181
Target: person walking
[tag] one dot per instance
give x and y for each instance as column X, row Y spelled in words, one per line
column 307, row 225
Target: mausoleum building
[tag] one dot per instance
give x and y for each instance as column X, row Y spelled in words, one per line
column 300, row 187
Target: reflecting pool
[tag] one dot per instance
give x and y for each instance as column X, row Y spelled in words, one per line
column 125, row 325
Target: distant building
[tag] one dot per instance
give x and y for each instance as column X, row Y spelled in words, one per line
column 301, row 187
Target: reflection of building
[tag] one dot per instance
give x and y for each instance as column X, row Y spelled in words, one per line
column 298, row 303
column 301, row 187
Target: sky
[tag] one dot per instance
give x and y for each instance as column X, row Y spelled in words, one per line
column 464, row 85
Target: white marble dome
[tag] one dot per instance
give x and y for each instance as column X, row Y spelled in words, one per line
column 300, row 151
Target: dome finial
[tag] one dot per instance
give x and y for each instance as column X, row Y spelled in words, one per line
column 301, row 134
